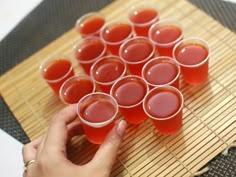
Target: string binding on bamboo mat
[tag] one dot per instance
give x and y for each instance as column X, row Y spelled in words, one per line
column 225, row 153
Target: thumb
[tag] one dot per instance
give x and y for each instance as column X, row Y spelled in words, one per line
column 106, row 154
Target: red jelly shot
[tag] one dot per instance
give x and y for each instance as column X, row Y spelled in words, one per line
column 142, row 16
column 135, row 52
column 55, row 71
column 88, row 50
column 164, row 105
column 129, row 93
column 106, row 71
column 165, row 34
column 90, row 24
column 192, row 54
column 115, row 33
column 75, row 88
column 161, row 70
column 97, row 113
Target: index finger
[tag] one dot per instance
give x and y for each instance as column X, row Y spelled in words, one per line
column 57, row 134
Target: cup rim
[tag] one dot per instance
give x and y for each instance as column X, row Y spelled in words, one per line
column 143, row 5
column 117, row 21
column 75, row 47
column 129, row 77
column 200, row 41
column 83, row 17
column 99, row 124
column 107, row 58
column 133, row 39
column 54, row 58
column 78, row 77
column 160, row 58
column 166, row 87
column 171, row 21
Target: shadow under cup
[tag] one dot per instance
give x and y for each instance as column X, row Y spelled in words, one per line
column 164, row 106
column 97, row 113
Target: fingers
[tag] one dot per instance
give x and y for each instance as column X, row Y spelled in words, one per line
column 57, row 134
column 29, row 150
column 108, row 150
column 75, row 128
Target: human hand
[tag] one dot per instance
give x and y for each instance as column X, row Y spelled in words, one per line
column 49, row 151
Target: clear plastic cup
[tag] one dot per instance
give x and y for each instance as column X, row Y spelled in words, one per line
column 88, row 50
column 164, row 105
column 129, row 92
column 193, row 55
column 74, row 88
column 90, row 24
column 106, row 71
column 135, row 52
column 161, row 70
column 114, row 33
column 97, row 112
column 142, row 16
column 56, row 70
column 165, row 34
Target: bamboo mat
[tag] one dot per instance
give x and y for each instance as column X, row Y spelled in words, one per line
column 209, row 117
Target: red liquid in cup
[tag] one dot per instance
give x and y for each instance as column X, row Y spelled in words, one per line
column 76, row 89
column 143, row 18
column 114, row 34
column 161, row 105
column 162, row 74
column 136, row 52
column 193, row 54
column 105, row 72
column 56, row 73
column 88, row 52
column 128, row 94
column 91, row 26
column 96, row 112
column 166, row 37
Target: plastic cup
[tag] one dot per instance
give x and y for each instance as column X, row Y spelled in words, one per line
column 142, row 16
column 135, row 52
column 90, row 24
column 97, row 112
column 74, row 88
column 129, row 93
column 165, row 34
column 193, row 55
column 161, row 70
column 106, row 71
column 164, row 105
column 56, row 70
column 88, row 50
column 114, row 33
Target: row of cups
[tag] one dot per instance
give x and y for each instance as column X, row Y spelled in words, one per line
column 128, row 72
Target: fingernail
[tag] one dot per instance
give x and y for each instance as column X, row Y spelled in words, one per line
column 121, row 127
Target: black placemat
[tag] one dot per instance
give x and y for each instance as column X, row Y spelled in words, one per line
column 54, row 17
